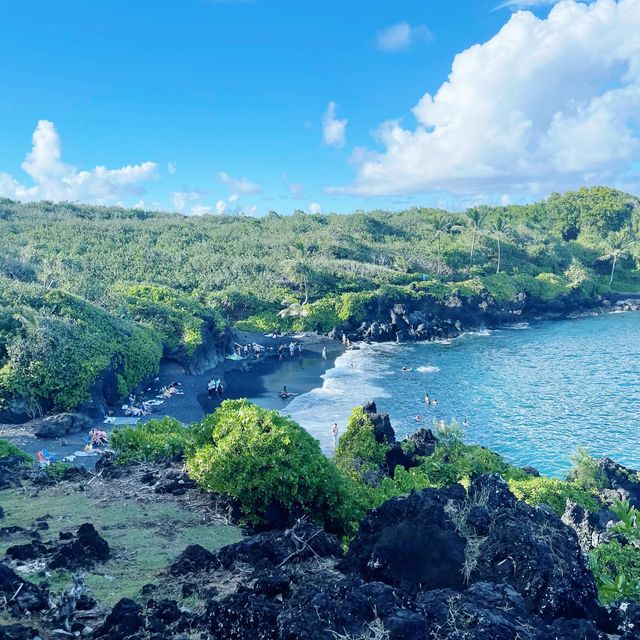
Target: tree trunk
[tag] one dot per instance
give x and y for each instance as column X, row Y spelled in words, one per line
column 473, row 246
column 499, row 256
column 613, row 269
column 439, row 256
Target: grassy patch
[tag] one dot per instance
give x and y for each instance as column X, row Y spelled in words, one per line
column 144, row 537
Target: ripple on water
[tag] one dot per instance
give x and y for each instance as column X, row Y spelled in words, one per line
column 534, row 396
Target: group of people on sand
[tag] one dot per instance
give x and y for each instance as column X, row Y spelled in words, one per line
column 291, row 349
column 215, row 388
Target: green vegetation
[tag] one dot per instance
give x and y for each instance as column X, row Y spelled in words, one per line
column 358, row 453
column 9, row 450
column 144, row 537
column 261, row 458
column 154, row 440
column 97, row 288
column 616, row 568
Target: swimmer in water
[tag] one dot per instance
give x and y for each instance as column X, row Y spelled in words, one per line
column 427, row 399
column 434, row 401
column 417, row 418
column 406, row 369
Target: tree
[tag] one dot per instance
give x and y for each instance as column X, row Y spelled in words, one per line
column 500, row 225
column 440, row 225
column 298, row 264
column 617, row 244
column 475, row 217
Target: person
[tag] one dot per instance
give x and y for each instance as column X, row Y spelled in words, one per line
column 300, row 349
column 417, row 418
column 324, row 353
column 427, row 399
column 211, row 388
column 220, row 389
column 434, row 401
column 284, row 390
column 344, row 339
column 465, row 424
column 406, row 369
column 292, row 349
column 334, row 433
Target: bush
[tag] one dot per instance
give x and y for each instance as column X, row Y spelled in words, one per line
column 585, row 471
column 260, row 459
column 616, row 569
column 551, row 492
column 358, row 452
column 154, row 440
column 9, row 450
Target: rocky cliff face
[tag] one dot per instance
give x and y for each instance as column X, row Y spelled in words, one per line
column 430, row 319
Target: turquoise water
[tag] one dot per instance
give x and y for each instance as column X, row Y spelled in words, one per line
column 534, row 392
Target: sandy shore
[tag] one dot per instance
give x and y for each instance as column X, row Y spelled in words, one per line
column 257, row 380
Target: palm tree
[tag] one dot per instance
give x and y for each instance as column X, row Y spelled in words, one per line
column 476, row 218
column 299, row 265
column 500, row 225
column 440, row 225
column 616, row 249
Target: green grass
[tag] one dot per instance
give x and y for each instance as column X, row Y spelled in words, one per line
column 144, row 537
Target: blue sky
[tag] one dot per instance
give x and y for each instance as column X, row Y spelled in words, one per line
column 229, row 103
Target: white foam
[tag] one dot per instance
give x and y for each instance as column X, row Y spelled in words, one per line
column 354, row 380
column 428, row 369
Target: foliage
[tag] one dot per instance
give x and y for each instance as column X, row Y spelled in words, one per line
column 57, row 470
column 105, row 287
column 261, row 458
column 358, row 452
column 617, row 571
column 551, row 492
column 629, row 525
column 161, row 439
column 10, row 450
column 585, row 471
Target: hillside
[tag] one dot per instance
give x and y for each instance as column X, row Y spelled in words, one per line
column 89, row 292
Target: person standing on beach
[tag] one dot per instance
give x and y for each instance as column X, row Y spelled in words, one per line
column 334, row 433
column 324, row 353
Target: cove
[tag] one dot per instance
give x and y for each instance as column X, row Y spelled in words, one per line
column 532, row 392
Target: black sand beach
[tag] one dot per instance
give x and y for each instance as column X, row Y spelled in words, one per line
column 257, row 380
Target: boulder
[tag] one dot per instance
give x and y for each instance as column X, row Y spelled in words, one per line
column 424, row 441
column 24, row 595
column 382, row 428
column 11, row 472
column 410, row 543
column 123, row 623
column 62, row 425
column 591, row 528
column 84, row 551
column 534, row 552
column 194, row 559
column 17, row 632
column 621, row 483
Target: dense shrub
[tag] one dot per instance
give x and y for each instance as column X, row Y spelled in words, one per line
column 552, row 492
column 358, row 452
column 161, row 439
column 616, row 568
column 261, row 458
column 7, row 449
column 585, row 471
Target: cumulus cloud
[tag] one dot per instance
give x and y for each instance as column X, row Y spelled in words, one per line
column 241, row 186
column 334, row 131
column 200, row 210
column 315, row 207
column 180, row 199
column 544, row 104
column 525, row 4
column 171, row 168
column 400, row 37
column 56, row 180
column 221, row 207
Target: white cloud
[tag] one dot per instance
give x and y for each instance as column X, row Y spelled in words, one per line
column 242, row 186
column 221, row 207
column 56, row 180
column 179, row 199
column 399, row 37
column 200, row 210
column 334, row 131
column 171, row 168
column 296, row 189
column 526, row 4
column 544, row 104
column 234, row 197
column 315, row 207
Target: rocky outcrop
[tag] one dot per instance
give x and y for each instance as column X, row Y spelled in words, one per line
column 209, row 354
column 62, row 425
column 620, row 483
column 82, row 550
column 591, row 528
column 20, row 594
